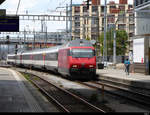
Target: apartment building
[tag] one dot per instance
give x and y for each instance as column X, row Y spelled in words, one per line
column 89, row 22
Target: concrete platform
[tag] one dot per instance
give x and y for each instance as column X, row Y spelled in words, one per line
column 16, row 97
column 119, row 75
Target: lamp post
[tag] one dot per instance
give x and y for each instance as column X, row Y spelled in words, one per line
column 24, row 37
column 114, row 46
column 0, row 47
column 7, row 37
column 114, row 43
column 71, row 20
column 104, row 42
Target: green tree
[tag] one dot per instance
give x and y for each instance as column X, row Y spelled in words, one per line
column 121, row 42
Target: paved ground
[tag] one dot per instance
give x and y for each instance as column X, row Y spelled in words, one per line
column 14, row 96
column 120, row 74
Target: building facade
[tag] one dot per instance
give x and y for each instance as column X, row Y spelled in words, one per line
column 89, row 22
column 142, row 16
column 141, row 42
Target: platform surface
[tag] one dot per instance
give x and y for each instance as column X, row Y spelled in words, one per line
column 119, row 74
column 14, row 96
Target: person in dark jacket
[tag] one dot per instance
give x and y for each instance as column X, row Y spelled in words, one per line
column 127, row 66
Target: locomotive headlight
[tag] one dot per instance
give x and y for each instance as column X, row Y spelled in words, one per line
column 74, row 66
column 91, row 66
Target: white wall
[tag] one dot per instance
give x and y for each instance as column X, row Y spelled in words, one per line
column 138, row 50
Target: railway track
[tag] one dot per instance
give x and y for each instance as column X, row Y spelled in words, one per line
column 65, row 100
column 126, row 85
column 120, row 91
column 124, row 91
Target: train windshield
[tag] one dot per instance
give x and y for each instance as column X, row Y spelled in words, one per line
column 82, row 53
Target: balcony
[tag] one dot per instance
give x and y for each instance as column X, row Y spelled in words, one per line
column 77, row 13
column 121, row 22
column 85, row 13
column 121, row 26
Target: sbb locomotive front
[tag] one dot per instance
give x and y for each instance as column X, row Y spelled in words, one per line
column 75, row 59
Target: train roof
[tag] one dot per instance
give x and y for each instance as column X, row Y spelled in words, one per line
column 45, row 50
column 10, row 54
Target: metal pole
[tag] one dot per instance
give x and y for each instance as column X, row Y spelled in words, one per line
column 71, row 20
column 0, row 50
column 24, row 37
column 83, row 28
column 66, row 19
column 114, row 43
column 46, row 35
column 104, row 42
column 114, row 46
column 34, row 39
column 32, row 42
column 7, row 37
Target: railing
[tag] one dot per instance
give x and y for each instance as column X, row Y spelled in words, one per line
column 11, row 41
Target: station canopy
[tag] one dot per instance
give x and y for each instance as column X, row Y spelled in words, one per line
column 1, row 1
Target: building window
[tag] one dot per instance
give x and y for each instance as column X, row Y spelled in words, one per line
column 77, row 31
column 94, row 30
column 121, row 18
column 94, row 21
column 131, row 27
column 130, row 6
column 94, row 37
column 77, row 9
column 77, row 24
column 84, row 9
column 122, row 27
column 131, row 34
column 111, row 19
column 113, row 6
column 131, row 18
column 102, row 9
column 94, row 8
column 77, row 18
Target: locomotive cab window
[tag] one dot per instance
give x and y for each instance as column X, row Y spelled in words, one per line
column 82, row 53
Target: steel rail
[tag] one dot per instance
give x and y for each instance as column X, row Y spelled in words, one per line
column 71, row 94
column 49, row 96
column 126, row 85
column 122, row 89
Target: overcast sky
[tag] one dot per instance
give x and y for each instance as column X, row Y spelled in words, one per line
column 40, row 7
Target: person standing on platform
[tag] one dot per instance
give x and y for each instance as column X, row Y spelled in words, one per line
column 127, row 66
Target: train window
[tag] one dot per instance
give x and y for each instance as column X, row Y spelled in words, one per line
column 51, row 56
column 68, row 52
column 94, row 52
column 82, row 53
